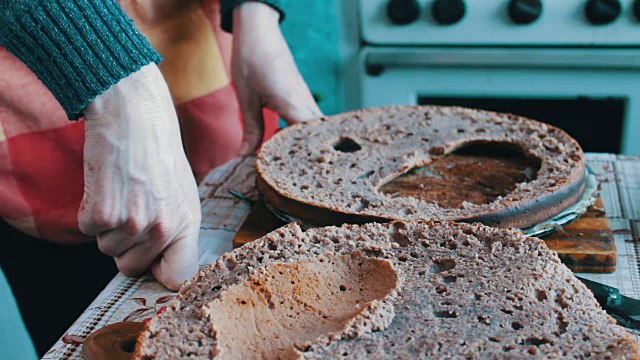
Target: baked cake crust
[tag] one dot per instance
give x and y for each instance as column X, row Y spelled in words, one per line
column 329, row 171
column 463, row 291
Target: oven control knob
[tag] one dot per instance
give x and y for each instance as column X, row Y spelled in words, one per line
column 600, row 12
column 448, row 12
column 402, row 12
column 525, row 11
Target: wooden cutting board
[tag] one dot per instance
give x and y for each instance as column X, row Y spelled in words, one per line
column 584, row 245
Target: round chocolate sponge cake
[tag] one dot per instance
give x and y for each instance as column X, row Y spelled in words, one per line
column 334, row 170
column 398, row 290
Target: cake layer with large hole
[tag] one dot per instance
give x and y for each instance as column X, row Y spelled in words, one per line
column 400, row 290
column 281, row 306
column 421, row 162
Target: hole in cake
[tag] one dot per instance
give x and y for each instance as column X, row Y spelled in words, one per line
column 516, row 325
column 230, row 263
column 446, row 314
column 541, row 295
column 476, row 173
column 272, row 246
column 441, row 265
column 308, row 300
column 535, row 341
column 562, row 323
column 449, row 279
column 408, row 211
column 560, row 300
column 346, row 144
column 361, row 204
column 398, row 233
column 441, row 290
column 367, row 174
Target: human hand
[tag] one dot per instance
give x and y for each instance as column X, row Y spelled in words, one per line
column 140, row 197
column 265, row 73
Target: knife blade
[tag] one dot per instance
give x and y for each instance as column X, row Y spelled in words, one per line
column 624, row 309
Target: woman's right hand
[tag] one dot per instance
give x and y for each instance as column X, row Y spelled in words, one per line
column 140, row 197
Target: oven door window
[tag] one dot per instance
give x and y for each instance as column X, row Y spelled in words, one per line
column 595, row 123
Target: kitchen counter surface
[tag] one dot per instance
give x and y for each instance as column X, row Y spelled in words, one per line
column 136, row 299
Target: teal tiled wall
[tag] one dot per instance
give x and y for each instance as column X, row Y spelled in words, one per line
column 312, row 32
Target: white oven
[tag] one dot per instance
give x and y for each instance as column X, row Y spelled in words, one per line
column 571, row 63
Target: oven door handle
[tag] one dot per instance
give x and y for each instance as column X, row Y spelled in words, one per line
column 376, row 60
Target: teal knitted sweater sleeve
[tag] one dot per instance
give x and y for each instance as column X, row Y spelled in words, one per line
column 77, row 48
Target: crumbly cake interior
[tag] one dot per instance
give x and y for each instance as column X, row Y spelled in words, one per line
column 464, row 291
column 341, row 162
column 282, row 307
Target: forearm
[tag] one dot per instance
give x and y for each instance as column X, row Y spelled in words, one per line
column 265, row 74
column 257, row 23
column 227, row 7
column 78, row 48
column 140, row 198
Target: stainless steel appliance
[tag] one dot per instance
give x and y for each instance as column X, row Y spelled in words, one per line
column 571, row 63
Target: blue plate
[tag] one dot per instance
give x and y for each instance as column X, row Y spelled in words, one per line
column 588, row 198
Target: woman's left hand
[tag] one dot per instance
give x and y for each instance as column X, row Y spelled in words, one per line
column 265, row 73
